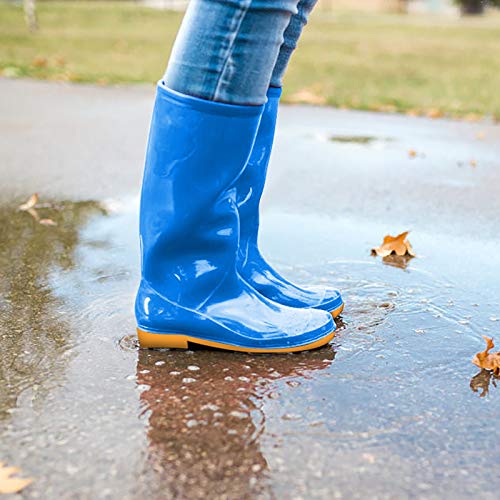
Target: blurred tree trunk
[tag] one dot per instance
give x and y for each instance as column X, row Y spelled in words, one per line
column 30, row 14
column 471, row 7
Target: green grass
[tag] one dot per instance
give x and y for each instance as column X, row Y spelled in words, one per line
column 410, row 64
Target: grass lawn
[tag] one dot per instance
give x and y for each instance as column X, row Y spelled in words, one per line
column 412, row 64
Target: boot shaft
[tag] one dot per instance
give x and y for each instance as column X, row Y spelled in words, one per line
column 250, row 184
column 189, row 223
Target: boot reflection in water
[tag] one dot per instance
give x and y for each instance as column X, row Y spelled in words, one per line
column 205, row 418
column 204, row 280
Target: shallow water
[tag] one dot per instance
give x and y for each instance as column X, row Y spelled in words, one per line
column 391, row 408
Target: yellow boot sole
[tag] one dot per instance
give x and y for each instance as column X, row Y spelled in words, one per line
column 338, row 311
column 181, row 341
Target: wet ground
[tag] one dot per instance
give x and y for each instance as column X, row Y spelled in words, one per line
column 393, row 408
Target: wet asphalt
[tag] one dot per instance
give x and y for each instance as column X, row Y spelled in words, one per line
column 392, row 408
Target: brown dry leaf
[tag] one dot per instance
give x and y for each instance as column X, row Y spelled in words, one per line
column 486, row 360
column 32, row 201
column 9, row 484
column 434, row 113
column 39, row 62
column 394, row 244
column 306, row 96
column 59, row 61
column 47, row 222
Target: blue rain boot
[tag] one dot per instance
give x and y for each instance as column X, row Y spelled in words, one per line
column 190, row 291
column 251, row 264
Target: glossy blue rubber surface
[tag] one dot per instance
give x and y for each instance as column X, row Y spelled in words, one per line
column 189, row 232
column 251, row 264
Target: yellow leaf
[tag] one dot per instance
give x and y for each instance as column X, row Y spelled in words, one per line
column 412, row 153
column 9, row 484
column 394, row 244
column 32, row 201
column 486, row 360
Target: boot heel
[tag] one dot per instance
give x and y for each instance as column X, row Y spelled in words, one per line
column 161, row 340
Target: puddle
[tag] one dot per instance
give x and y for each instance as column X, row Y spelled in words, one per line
column 393, row 404
column 361, row 140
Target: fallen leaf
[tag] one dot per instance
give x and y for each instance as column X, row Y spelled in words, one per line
column 9, row 484
column 412, row 153
column 434, row 113
column 33, row 213
column 394, row 244
column 473, row 163
column 39, row 62
column 32, row 201
column 59, row 61
column 306, row 96
column 486, row 360
column 47, row 222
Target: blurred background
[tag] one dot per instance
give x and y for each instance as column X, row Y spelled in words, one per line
column 420, row 57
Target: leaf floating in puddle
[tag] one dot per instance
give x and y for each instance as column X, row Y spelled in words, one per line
column 398, row 245
column 486, row 360
column 47, row 222
column 31, row 207
column 9, row 484
column 32, row 201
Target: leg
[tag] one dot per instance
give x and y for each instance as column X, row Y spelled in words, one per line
column 226, row 50
column 291, row 37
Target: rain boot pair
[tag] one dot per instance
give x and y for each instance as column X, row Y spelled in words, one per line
column 204, row 280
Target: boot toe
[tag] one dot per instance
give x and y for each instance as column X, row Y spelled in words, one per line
column 328, row 298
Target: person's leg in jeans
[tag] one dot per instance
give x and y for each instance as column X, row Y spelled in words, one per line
column 291, row 37
column 250, row 185
column 226, row 50
column 206, row 116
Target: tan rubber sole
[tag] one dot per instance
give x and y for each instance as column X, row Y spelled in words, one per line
column 179, row 341
column 338, row 311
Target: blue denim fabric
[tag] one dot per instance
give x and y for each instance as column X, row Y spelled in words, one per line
column 231, row 50
column 290, row 39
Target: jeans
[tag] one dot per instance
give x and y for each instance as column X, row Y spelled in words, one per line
column 231, row 51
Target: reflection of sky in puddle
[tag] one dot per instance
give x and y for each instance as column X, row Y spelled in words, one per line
column 390, row 394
